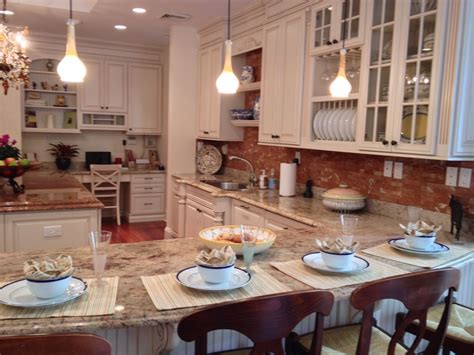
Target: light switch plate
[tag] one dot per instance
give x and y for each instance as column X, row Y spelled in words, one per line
column 398, row 170
column 465, row 177
column 388, row 168
column 298, row 157
column 451, row 176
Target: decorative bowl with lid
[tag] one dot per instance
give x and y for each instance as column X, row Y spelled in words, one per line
column 343, row 198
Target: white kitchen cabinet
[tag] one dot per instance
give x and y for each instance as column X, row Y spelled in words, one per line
column 197, row 218
column 401, row 76
column 213, row 111
column 246, row 214
column 282, row 80
column 145, row 99
column 276, row 222
column 49, row 230
column 105, row 87
column 327, row 24
column 145, row 198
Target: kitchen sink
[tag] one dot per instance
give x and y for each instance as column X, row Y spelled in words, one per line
column 227, row 185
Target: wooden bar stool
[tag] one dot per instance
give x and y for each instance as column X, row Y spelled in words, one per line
column 105, row 185
column 460, row 333
column 55, row 344
column 264, row 320
column 417, row 291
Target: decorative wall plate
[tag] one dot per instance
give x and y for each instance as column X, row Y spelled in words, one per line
column 208, row 160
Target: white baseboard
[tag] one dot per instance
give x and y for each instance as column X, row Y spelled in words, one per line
column 145, row 218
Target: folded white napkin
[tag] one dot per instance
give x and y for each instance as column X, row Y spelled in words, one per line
column 48, row 269
column 223, row 257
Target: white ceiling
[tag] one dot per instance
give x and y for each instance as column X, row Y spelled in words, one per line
column 98, row 17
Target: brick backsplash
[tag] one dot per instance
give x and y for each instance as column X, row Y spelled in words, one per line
column 422, row 184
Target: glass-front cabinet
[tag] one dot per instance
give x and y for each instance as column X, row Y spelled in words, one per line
column 401, row 65
column 327, row 24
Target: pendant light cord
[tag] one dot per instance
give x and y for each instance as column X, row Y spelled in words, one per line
column 70, row 9
column 344, row 24
column 228, row 19
column 4, row 18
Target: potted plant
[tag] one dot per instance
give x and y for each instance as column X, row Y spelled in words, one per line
column 63, row 153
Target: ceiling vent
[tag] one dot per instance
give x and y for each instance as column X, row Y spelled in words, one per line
column 176, row 17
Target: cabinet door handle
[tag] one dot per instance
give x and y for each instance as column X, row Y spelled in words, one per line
column 334, row 41
column 148, row 178
column 205, row 132
column 198, row 210
column 101, row 107
column 385, row 142
column 148, row 188
column 245, row 207
column 285, row 228
column 277, row 136
column 328, row 43
column 393, row 142
column 106, row 107
column 148, row 203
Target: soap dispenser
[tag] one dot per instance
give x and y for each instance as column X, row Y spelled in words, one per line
column 263, row 180
column 272, row 181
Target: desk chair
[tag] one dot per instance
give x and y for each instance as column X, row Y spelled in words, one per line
column 264, row 320
column 55, row 344
column 105, row 185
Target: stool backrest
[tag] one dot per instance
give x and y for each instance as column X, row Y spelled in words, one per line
column 105, row 177
column 264, row 320
column 78, row 344
column 418, row 292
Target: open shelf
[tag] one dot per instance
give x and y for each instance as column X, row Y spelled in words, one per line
column 249, row 87
column 50, row 130
column 43, row 72
column 52, row 91
column 245, row 123
column 328, row 98
column 52, row 107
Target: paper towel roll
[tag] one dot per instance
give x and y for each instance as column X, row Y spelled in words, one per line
column 287, row 179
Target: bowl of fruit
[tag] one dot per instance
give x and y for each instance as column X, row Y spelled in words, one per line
column 11, row 168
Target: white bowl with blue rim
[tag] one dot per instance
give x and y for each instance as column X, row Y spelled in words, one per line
column 336, row 260
column 215, row 274
column 422, row 242
column 49, row 288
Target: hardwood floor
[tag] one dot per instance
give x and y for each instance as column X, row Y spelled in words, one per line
column 134, row 232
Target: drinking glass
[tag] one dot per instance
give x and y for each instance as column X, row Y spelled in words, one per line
column 99, row 242
column 249, row 242
column 414, row 213
column 348, row 224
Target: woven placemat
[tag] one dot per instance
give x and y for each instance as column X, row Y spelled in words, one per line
column 456, row 254
column 96, row 301
column 325, row 281
column 166, row 293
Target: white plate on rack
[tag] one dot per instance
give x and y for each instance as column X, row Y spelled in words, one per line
column 331, row 133
column 342, row 124
column 337, row 125
column 320, row 123
column 17, row 294
column 347, row 125
column 191, row 278
column 353, row 124
column 316, row 131
column 326, row 125
column 314, row 261
column 402, row 245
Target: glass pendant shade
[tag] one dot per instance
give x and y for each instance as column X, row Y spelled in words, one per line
column 341, row 87
column 71, row 69
column 227, row 82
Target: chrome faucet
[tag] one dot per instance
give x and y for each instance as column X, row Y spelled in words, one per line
column 252, row 178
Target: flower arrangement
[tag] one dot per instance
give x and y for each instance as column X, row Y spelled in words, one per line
column 8, row 149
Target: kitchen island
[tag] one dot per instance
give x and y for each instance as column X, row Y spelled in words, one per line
column 55, row 211
column 138, row 328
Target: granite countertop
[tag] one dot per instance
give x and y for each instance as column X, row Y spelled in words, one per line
column 46, row 191
column 130, row 261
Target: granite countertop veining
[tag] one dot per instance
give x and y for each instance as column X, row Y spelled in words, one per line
column 130, row 261
column 45, row 191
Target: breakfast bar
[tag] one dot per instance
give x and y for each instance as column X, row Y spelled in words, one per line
column 137, row 327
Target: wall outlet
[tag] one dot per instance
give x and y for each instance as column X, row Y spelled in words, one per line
column 398, row 170
column 465, row 177
column 298, row 157
column 451, row 176
column 388, row 168
column 225, row 149
column 52, row 231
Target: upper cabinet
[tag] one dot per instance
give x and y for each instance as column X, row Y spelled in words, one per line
column 402, row 78
column 145, row 92
column 282, row 80
column 105, row 87
column 327, row 24
column 213, row 108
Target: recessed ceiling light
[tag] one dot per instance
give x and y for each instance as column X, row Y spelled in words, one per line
column 139, row 10
column 7, row 12
column 120, row 27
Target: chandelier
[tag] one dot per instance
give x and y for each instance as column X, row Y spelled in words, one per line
column 14, row 63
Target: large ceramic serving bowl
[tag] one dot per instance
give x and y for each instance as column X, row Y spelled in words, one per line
column 209, row 237
column 49, row 288
column 343, row 198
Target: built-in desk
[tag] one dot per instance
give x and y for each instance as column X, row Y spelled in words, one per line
column 142, row 193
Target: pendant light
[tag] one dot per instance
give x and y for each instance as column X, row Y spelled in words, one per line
column 227, row 82
column 71, row 69
column 341, row 87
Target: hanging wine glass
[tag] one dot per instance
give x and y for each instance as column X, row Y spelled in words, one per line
column 353, row 71
column 325, row 76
